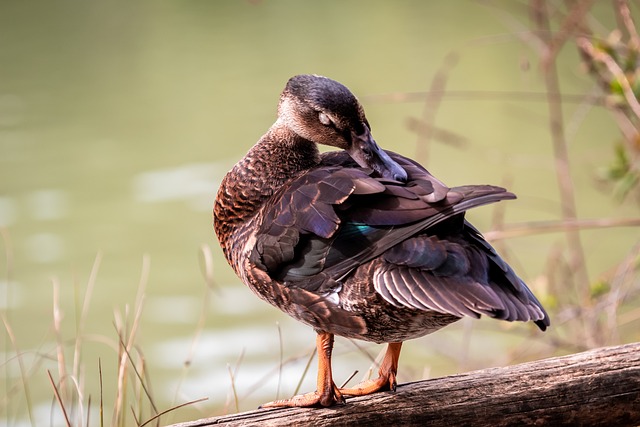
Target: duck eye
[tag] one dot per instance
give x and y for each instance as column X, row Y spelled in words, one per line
column 324, row 119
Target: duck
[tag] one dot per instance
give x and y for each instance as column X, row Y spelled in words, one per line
column 358, row 242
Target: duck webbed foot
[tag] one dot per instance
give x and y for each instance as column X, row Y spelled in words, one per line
column 327, row 394
column 317, row 398
column 386, row 375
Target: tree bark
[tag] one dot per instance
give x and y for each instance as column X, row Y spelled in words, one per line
column 597, row 387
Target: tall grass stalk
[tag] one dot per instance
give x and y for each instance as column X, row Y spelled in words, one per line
column 127, row 339
column 233, row 387
column 206, row 264
column 23, row 372
column 81, row 320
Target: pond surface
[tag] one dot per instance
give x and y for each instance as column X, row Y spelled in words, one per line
column 118, row 120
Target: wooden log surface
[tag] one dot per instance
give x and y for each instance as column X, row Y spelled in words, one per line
column 596, row 388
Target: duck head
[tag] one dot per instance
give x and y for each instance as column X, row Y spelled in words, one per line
column 324, row 111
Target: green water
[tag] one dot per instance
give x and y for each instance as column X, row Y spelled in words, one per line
column 118, row 119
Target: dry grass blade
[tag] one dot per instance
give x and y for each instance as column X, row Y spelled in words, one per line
column 345, row 382
column 79, row 400
column 101, row 393
column 9, row 340
column 82, row 320
column 119, row 415
column 135, row 418
column 362, row 350
column 207, row 263
column 88, row 410
column 173, row 408
column 57, row 327
column 59, row 398
column 375, row 364
column 305, row 371
column 139, row 376
column 307, row 354
column 23, row 371
column 281, row 360
column 233, row 387
column 234, row 373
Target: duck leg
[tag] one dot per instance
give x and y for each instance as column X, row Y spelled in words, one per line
column 386, row 375
column 327, row 393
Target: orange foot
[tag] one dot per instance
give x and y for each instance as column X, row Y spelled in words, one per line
column 387, row 375
column 326, row 398
column 327, row 394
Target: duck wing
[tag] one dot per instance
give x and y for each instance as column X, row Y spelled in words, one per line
column 332, row 219
column 456, row 272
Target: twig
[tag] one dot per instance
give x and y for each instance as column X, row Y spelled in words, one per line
column 486, row 95
column 538, row 227
column 614, row 69
column 562, row 164
column 443, row 135
column 625, row 16
column 571, row 24
column 431, row 102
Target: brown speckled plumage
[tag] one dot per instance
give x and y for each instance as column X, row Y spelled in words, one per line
column 361, row 243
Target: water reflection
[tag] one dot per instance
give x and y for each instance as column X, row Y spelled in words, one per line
column 191, row 183
column 11, row 295
column 44, row 247
column 48, row 204
column 8, row 211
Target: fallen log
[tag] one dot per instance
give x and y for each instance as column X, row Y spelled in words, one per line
column 597, row 387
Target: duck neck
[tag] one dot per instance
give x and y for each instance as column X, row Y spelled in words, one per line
column 277, row 157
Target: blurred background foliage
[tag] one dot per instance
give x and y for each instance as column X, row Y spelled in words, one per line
column 118, row 119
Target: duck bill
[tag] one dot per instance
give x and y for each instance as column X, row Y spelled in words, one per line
column 368, row 154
